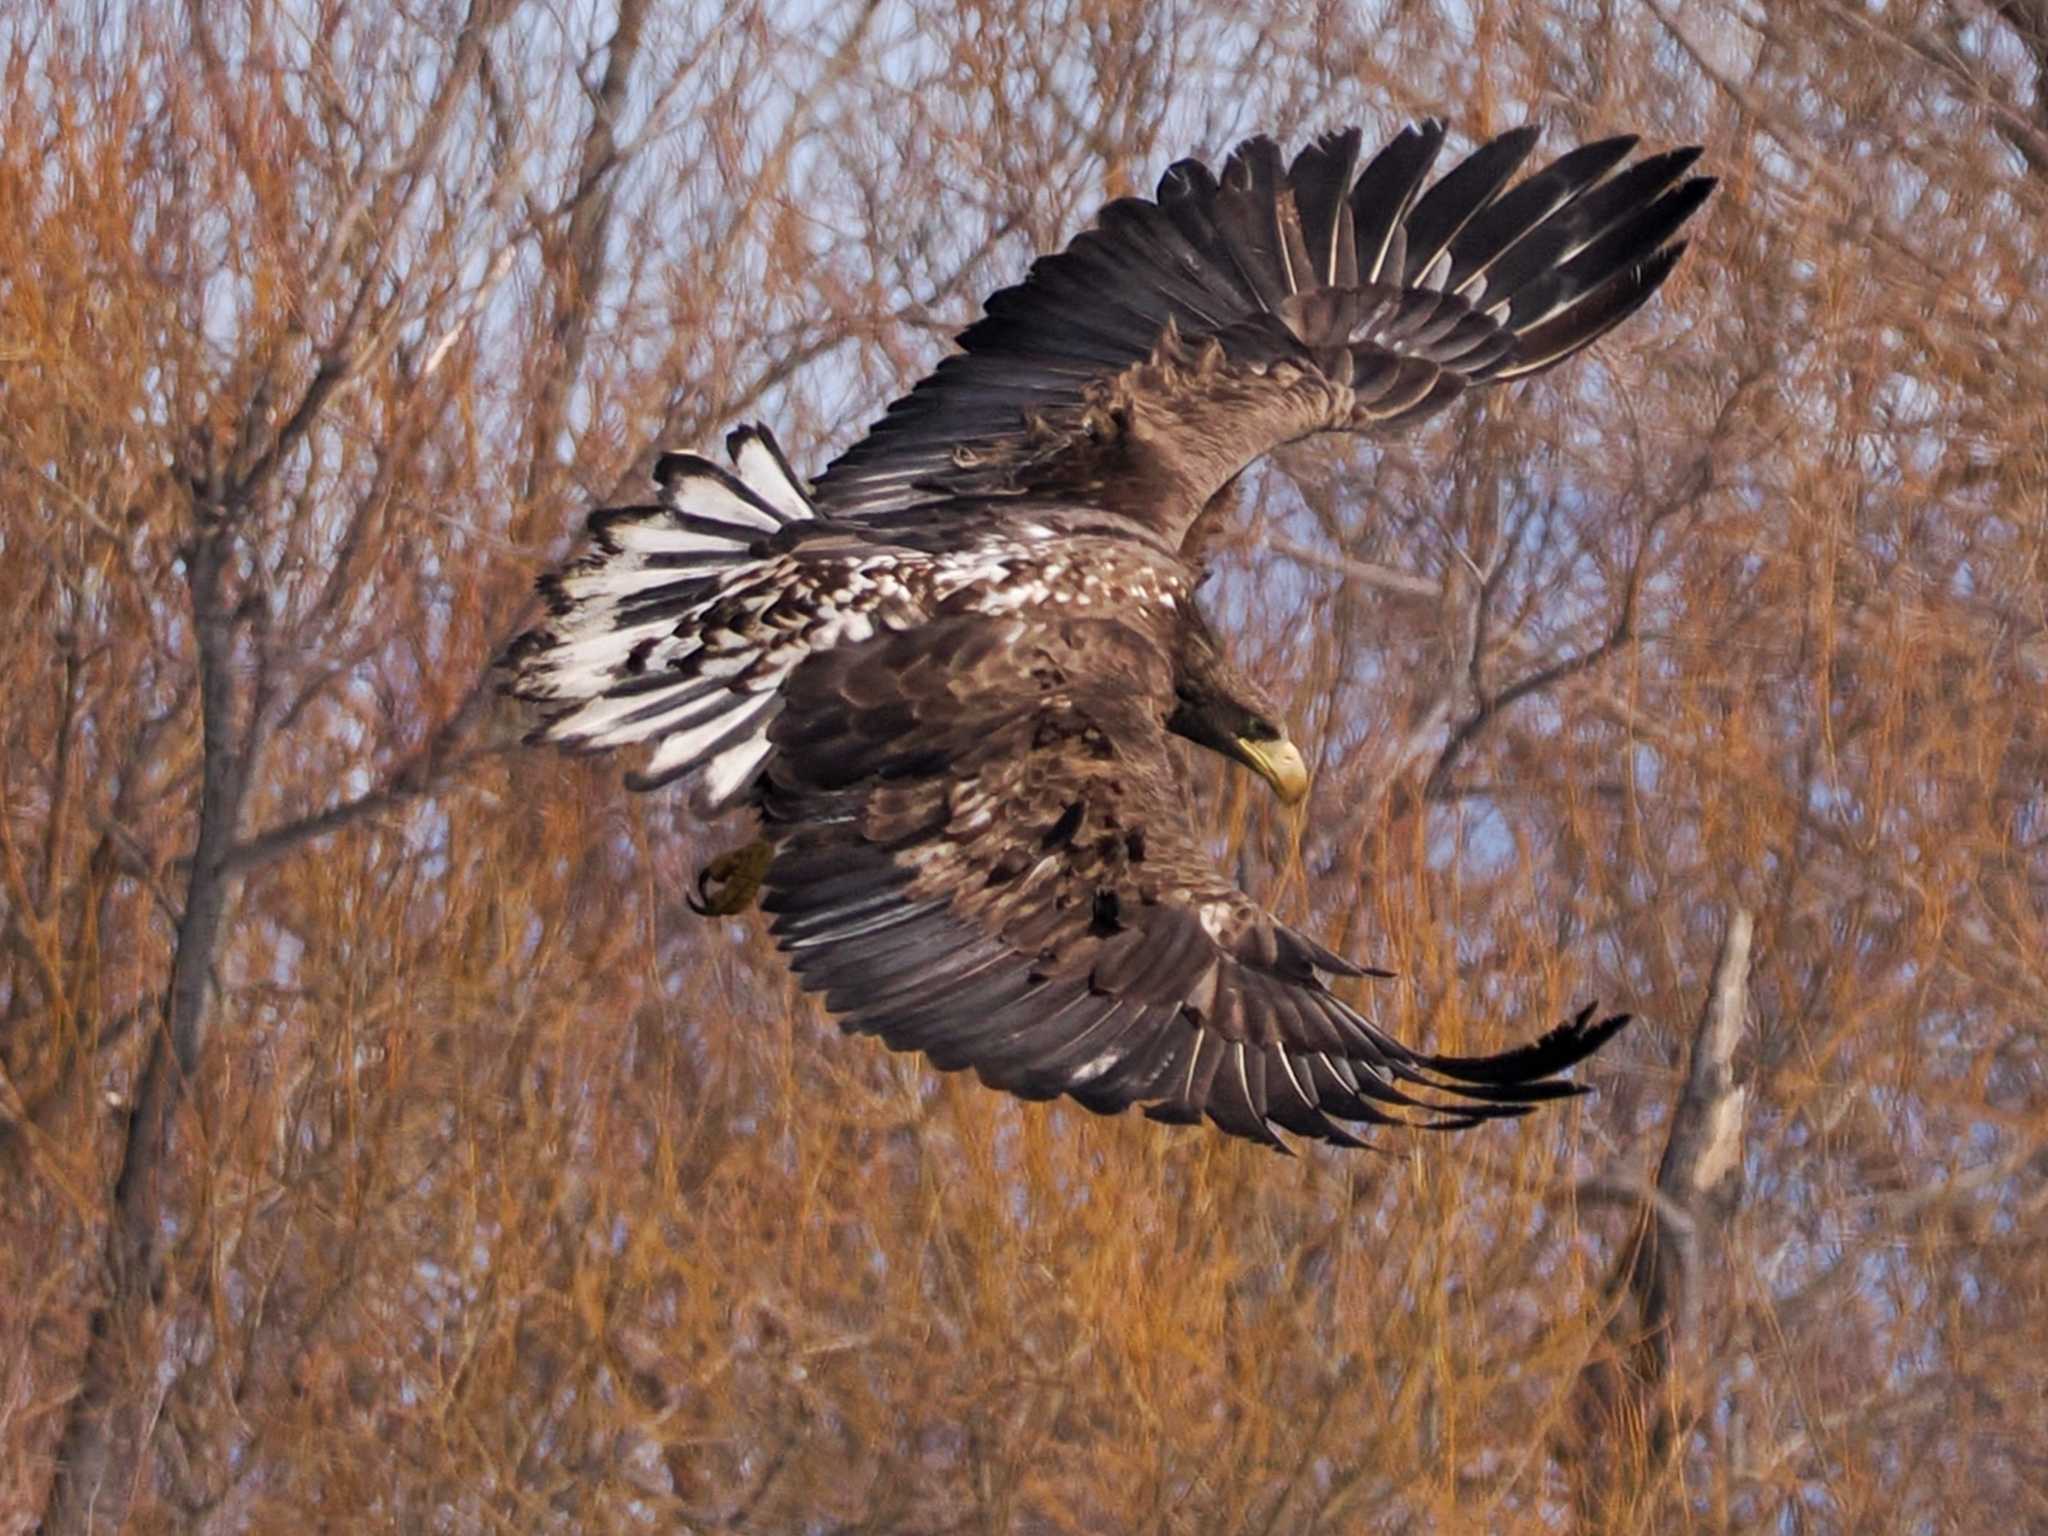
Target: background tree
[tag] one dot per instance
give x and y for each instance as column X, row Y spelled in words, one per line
column 383, row 1145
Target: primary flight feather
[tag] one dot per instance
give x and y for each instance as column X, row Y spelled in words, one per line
column 946, row 672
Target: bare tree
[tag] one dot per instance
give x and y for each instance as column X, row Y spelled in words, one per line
column 1629, row 1414
column 383, row 1145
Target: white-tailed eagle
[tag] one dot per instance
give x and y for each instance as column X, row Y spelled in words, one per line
column 945, row 672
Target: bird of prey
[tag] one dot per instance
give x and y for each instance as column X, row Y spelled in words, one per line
column 945, row 673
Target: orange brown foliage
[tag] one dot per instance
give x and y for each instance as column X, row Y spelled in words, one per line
column 382, row 1146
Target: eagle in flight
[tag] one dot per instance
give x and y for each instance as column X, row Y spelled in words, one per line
column 945, row 672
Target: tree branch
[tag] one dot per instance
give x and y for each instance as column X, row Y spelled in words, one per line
column 1629, row 1406
column 100, row 1456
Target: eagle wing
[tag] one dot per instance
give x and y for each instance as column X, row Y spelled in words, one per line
column 982, row 852
column 1183, row 336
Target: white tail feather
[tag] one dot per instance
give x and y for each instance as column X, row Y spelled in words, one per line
column 730, row 771
column 627, row 658
column 767, row 474
column 621, row 719
column 695, row 485
column 679, row 753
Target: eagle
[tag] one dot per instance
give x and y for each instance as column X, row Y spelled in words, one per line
column 945, row 674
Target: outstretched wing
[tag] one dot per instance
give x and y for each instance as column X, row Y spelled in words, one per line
column 1182, row 337
column 982, row 853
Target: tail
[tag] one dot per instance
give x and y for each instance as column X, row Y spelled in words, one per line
column 1375, row 281
column 629, row 653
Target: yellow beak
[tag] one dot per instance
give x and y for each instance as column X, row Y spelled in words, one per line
column 1280, row 765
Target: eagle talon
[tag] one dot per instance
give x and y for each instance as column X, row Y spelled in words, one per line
column 737, row 874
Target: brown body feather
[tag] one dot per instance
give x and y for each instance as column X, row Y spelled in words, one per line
column 983, row 852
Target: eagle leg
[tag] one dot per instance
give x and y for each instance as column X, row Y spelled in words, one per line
column 737, row 874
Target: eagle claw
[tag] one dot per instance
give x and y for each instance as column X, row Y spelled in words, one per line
column 737, row 874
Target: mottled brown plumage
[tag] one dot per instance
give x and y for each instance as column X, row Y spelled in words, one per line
column 983, row 852
column 946, row 674
column 1146, row 364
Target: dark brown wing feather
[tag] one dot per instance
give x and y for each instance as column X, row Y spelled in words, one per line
column 1183, row 336
column 983, row 854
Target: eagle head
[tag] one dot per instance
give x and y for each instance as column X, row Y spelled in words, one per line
column 1217, row 706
